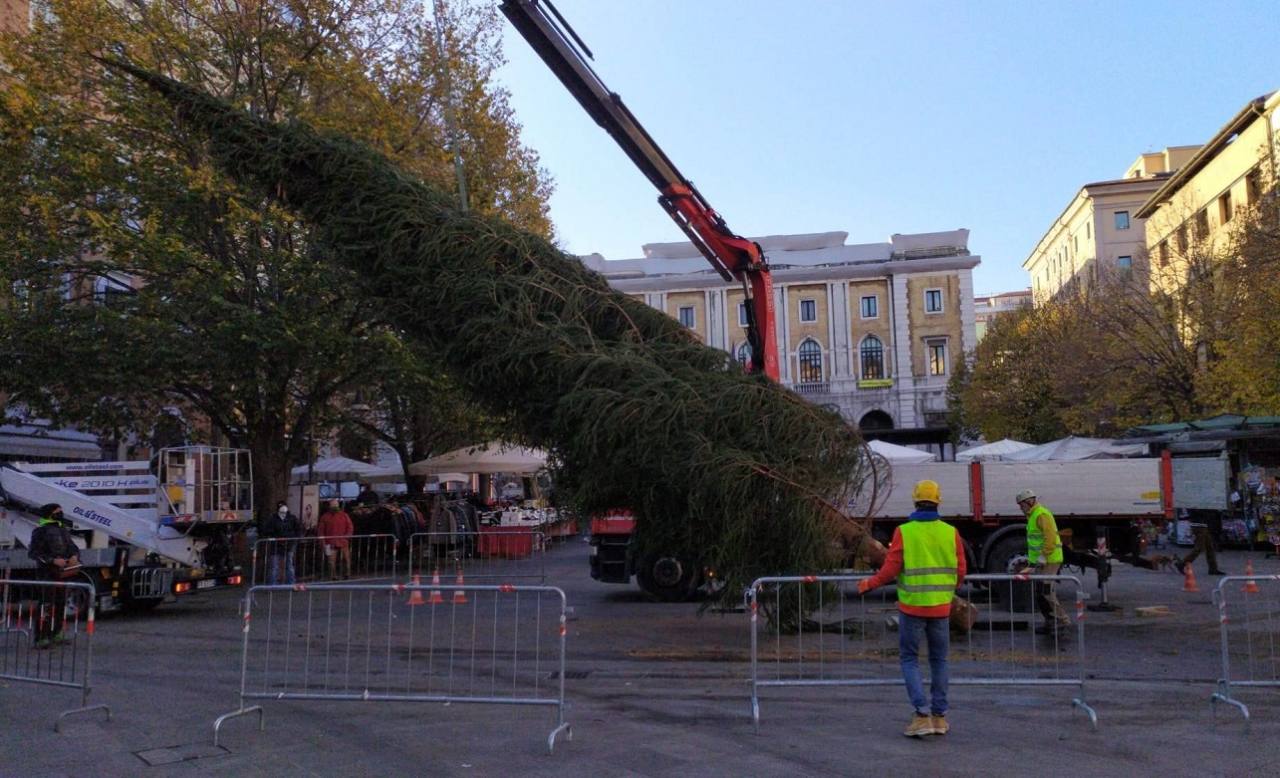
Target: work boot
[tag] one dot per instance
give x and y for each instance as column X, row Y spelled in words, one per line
column 940, row 726
column 43, row 643
column 60, row 638
column 1216, row 571
column 920, row 726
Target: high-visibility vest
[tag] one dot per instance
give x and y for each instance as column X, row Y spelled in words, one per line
column 1035, row 537
column 929, row 566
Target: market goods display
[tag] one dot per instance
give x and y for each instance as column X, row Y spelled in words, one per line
column 635, row 410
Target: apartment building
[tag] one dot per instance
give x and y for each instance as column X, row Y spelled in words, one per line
column 1197, row 206
column 870, row 329
column 987, row 307
column 1100, row 232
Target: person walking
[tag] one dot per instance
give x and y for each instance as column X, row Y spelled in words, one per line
column 926, row 557
column 283, row 529
column 57, row 557
column 335, row 530
column 1206, row 526
column 1044, row 557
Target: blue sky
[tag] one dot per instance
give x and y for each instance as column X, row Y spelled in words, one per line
column 875, row 118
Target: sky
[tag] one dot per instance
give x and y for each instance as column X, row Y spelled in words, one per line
column 876, row 118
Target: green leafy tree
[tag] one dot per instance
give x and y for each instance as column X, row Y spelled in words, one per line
column 232, row 317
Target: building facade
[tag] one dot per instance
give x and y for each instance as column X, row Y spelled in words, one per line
column 987, row 308
column 1100, row 232
column 1196, row 207
column 869, row 329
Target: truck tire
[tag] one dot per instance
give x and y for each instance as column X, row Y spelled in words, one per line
column 1009, row 555
column 667, row 577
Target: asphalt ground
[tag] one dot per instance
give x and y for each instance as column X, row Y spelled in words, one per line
column 660, row 689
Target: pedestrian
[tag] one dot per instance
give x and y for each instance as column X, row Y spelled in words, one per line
column 926, row 556
column 57, row 557
column 367, row 496
column 1206, row 526
column 1044, row 557
column 282, row 529
column 335, row 530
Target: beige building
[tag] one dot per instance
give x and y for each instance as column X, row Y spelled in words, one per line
column 1197, row 205
column 1100, row 233
column 987, row 308
column 872, row 329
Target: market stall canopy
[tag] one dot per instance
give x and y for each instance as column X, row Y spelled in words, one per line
column 444, row 478
column 992, row 451
column 903, row 454
column 345, row 469
column 1073, row 448
column 488, row 459
column 38, row 441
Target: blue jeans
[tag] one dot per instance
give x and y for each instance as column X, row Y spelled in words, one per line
column 273, row 568
column 937, row 632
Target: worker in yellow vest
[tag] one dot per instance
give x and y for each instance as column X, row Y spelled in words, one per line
column 1044, row 557
column 926, row 557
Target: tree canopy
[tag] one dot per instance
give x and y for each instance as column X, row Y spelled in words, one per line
column 209, row 302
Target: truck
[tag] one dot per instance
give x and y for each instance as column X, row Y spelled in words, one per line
column 1101, row 505
column 148, row 531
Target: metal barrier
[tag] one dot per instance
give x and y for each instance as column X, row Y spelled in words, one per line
column 820, row 632
column 463, row 557
column 46, row 637
column 1253, row 617
column 502, row 644
column 316, row 560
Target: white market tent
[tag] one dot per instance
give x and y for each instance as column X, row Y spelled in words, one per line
column 344, row 469
column 488, row 459
column 444, row 478
column 1073, row 448
column 901, row 454
column 991, row 452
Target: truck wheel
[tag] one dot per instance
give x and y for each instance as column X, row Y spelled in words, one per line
column 667, row 577
column 1010, row 556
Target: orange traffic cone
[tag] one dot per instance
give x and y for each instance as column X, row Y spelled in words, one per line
column 459, row 596
column 1250, row 586
column 416, row 597
column 1189, row 584
column 436, row 597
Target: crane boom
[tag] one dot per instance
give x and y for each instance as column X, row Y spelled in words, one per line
column 736, row 258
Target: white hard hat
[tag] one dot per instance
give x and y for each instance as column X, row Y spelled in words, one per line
column 1024, row 495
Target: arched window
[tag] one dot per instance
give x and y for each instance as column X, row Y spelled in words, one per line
column 876, row 420
column 743, row 354
column 810, row 358
column 872, row 352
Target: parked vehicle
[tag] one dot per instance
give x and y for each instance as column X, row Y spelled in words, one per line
column 148, row 530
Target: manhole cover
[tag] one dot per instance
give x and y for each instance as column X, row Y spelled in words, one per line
column 175, row 754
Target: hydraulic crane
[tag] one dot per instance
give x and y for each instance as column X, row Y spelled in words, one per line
column 736, row 258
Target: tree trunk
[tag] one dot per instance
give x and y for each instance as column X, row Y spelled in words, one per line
column 270, row 469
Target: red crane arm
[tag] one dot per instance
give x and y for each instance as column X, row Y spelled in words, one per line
column 733, row 256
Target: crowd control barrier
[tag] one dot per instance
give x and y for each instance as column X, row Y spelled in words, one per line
column 817, row 631
column 318, row 560
column 493, row 554
column 486, row 644
column 46, row 637
column 1249, row 624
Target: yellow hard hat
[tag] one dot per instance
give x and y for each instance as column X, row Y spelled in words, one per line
column 927, row 491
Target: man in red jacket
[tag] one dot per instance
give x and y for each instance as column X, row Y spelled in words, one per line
column 335, row 530
column 926, row 557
